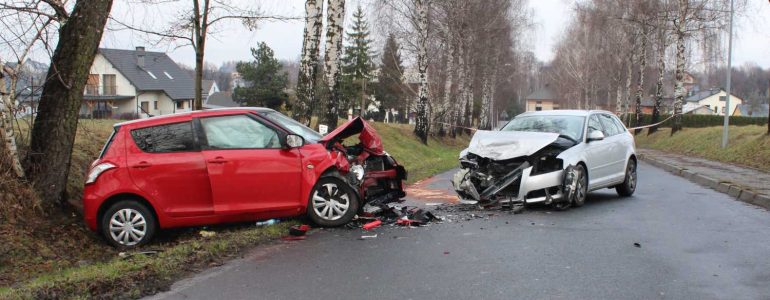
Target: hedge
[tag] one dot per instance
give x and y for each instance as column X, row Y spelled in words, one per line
column 698, row 121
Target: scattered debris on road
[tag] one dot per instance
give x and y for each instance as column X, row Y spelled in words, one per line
column 637, row 245
column 298, row 230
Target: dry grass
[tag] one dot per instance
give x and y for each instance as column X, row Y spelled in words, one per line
column 747, row 145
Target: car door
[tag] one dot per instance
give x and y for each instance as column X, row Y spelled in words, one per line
column 248, row 169
column 165, row 162
column 617, row 153
column 598, row 164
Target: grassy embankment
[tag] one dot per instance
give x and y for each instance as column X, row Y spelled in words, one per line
column 52, row 255
column 748, row 145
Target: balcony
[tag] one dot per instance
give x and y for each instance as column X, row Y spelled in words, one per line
column 100, row 90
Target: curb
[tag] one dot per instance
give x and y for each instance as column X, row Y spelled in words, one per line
column 735, row 191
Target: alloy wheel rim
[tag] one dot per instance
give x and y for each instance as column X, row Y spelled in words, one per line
column 330, row 203
column 128, row 226
column 631, row 176
column 580, row 189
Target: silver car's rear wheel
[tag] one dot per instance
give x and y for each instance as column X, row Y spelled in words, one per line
column 332, row 202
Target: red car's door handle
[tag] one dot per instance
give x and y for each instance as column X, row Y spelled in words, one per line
column 218, row 160
column 142, row 164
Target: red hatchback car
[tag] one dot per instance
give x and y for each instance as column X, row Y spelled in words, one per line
column 232, row 165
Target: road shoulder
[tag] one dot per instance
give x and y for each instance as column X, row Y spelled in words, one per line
column 742, row 183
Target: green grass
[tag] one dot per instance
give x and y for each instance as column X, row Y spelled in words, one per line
column 747, row 145
column 141, row 275
column 420, row 160
column 36, row 263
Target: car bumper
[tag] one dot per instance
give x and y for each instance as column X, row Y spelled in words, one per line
column 540, row 188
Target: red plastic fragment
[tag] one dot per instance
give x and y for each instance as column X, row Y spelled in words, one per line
column 373, row 224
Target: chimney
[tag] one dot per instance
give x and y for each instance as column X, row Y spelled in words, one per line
column 140, row 56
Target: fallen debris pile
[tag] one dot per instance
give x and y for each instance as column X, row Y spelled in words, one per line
column 385, row 214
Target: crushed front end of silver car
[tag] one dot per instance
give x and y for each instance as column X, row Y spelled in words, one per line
column 512, row 168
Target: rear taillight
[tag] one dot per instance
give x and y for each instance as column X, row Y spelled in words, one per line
column 98, row 170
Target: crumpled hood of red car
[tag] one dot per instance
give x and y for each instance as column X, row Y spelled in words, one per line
column 369, row 138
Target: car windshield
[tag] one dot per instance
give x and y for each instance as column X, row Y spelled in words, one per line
column 308, row 134
column 570, row 126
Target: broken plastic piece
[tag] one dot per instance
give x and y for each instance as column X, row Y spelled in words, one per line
column 366, row 237
column 372, row 225
column 298, row 230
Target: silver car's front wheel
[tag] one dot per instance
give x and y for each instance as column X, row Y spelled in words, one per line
column 127, row 224
column 332, row 202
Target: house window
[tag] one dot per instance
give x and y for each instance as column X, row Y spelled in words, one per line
column 723, row 98
column 108, row 87
column 724, row 110
column 145, row 107
column 538, row 108
column 152, row 75
column 155, row 105
column 168, row 75
column 180, row 105
column 538, row 102
column 92, row 85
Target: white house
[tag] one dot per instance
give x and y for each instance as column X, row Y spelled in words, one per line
column 136, row 83
column 714, row 99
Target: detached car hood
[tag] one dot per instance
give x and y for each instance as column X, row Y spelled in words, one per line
column 502, row 145
column 369, row 138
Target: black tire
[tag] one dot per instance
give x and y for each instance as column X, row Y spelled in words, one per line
column 139, row 230
column 578, row 198
column 332, row 209
column 582, row 193
column 628, row 187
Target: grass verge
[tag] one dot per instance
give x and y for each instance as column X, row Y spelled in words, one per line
column 748, row 145
column 420, row 160
column 51, row 255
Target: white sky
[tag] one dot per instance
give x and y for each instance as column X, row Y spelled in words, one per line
column 233, row 41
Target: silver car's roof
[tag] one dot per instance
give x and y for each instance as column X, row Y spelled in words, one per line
column 563, row 112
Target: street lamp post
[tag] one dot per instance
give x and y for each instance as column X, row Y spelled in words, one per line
column 726, row 110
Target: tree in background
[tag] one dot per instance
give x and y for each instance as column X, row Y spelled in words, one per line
column 421, row 126
column 192, row 25
column 335, row 20
column 53, row 133
column 390, row 90
column 306, row 81
column 357, row 65
column 266, row 80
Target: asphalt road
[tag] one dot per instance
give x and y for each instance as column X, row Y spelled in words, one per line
column 695, row 243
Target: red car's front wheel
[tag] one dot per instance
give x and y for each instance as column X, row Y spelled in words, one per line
column 332, row 202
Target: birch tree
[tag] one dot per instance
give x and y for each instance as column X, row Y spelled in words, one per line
column 421, row 127
column 335, row 22
column 306, row 81
column 22, row 32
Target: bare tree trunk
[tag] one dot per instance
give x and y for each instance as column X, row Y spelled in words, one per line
column 7, row 131
column 640, row 80
column 659, row 85
column 335, row 19
column 459, row 105
column 308, row 68
column 629, row 77
column 487, row 92
column 446, row 105
column 421, row 123
column 200, row 29
column 53, row 133
column 679, row 91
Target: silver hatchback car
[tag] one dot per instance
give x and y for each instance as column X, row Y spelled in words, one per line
column 555, row 157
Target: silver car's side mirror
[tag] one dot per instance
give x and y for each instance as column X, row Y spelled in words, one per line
column 294, row 141
column 595, row 135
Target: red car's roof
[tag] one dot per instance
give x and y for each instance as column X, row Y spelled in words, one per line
column 184, row 115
